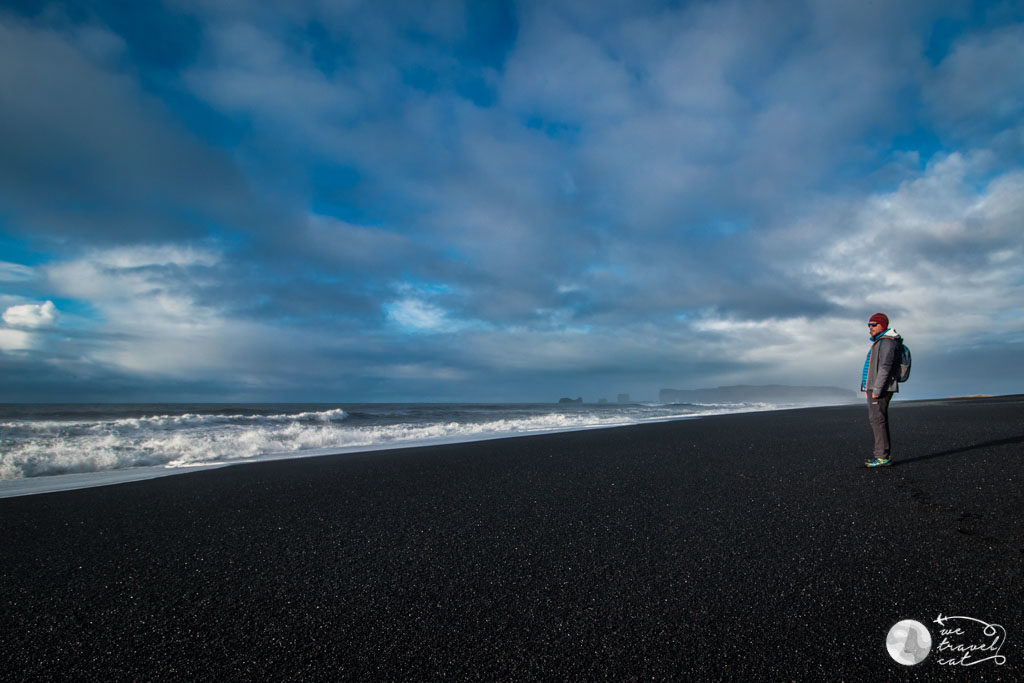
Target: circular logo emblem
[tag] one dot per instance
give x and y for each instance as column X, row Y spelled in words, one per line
column 908, row 642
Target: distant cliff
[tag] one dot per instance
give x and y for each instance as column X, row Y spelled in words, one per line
column 773, row 393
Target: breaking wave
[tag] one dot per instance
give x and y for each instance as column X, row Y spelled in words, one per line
column 66, row 443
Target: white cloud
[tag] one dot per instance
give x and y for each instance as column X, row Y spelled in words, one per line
column 15, row 272
column 418, row 371
column 15, row 340
column 128, row 273
column 145, row 301
column 935, row 247
column 943, row 246
column 25, row 319
column 415, row 315
column 156, row 255
column 31, row 315
column 796, row 350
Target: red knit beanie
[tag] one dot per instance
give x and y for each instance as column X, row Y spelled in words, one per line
column 879, row 318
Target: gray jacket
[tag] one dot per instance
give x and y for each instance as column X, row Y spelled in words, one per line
column 883, row 364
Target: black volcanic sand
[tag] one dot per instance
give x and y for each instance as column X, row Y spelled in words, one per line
column 733, row 546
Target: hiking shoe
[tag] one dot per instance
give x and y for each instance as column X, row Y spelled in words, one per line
column 877, row 462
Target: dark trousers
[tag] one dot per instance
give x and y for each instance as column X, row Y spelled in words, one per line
column 878, row 416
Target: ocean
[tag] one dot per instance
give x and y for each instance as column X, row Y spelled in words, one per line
column 57, row 447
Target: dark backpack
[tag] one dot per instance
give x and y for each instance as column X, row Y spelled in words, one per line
column 902, row 372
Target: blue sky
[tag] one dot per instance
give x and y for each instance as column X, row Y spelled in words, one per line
column 369, row 201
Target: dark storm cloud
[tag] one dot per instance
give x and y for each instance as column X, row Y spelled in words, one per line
column 89, row 155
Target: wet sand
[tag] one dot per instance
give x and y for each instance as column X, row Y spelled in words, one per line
column 730, row 546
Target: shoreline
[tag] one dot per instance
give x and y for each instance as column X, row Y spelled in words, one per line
column 71, row 481
column 732, row 546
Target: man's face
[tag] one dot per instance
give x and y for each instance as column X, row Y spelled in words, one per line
column 875, row 328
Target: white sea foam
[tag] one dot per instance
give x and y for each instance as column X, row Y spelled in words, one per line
column 31, row 448
column 152, row 445
column 61, row 447
column 183, row 420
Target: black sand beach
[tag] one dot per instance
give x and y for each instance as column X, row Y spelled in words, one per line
column 732, row 546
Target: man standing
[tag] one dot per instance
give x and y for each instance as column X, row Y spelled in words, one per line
column 879, row 382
